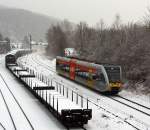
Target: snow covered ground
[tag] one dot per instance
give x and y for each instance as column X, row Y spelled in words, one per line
column 140, row 98
column 40, row 118
column 99, row 116
column 104, row 109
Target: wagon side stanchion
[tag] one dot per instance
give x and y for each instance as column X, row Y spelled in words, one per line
column 76, row 98
column 50, row 99
column 60, row 88
column 87, row 103
column 56, row 86
column 72, row 95
column 57, row 108
column 67, row 92
column 51, row 82
column 42, row 94
column 53, row 101
column 82, row 101
column 46, row 96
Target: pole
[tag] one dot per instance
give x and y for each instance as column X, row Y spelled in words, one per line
column 30, row 38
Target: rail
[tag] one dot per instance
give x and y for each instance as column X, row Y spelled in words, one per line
column 8, row 111
column 17, row 104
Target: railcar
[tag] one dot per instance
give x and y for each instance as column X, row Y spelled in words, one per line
column 11, row 57
column 104, row 78
column 69, row 113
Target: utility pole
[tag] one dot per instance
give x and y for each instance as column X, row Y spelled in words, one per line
column 30, row 39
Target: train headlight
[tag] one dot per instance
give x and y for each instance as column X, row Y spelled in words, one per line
column 115, row 84
column 111, row 84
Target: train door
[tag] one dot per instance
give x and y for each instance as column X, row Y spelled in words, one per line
column 90, row 78
column 72, row 69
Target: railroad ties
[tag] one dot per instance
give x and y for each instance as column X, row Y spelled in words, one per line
column 65, row 110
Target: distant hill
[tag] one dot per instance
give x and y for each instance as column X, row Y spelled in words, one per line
column 16, row 23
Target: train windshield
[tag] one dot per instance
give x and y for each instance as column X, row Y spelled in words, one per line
column 113, row 73
column 99, row 76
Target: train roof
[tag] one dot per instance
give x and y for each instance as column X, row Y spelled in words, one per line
column 88, row 63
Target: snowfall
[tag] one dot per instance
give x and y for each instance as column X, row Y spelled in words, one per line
column 106, row 113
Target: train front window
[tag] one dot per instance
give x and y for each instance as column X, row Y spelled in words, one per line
column 113, row 73
column 99, row 77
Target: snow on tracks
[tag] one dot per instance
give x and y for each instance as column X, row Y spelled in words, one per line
column 19, row 120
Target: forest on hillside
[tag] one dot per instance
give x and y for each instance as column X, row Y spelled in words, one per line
column 127, row 45
column 16, row 23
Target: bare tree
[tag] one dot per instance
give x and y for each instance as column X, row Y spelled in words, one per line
column 1, row 37
column 100, row 25
column 117, row 22
column 147, row 18
column 126, row 45
column 26, row 42
column 57, row 40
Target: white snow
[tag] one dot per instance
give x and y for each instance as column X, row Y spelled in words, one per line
column 139, row 98
column 63, row 103
column 94, row 97
column 103, row 118
column 40, row 117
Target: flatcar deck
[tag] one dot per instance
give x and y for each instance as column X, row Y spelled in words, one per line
column 69, row 113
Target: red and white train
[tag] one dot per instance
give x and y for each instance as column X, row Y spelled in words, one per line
column 103, row 78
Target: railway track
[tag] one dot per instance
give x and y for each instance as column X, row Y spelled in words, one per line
column 117, row 98
column 9, row 109
column 113, row 98
column 136, row 106
column 44, row 65
column 47, row 67
column 134, row 102
column 145, row 107
column 11, row 117
column 43, row 97
column 1, row 125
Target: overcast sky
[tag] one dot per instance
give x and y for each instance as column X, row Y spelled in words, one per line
column 90, row 11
